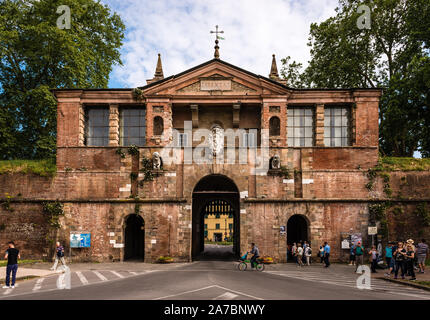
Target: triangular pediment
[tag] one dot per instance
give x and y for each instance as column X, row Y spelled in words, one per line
column 215, row 77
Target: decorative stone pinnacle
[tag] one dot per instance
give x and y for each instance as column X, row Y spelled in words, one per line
column 274, row 69
column 159, row 70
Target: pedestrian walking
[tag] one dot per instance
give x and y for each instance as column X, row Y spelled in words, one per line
column 388, row 254
column 308, row 254
column 321, row 254
column 374, row 259
column 422, row 252
column 12, row 255
column 326, row 255
column 59, row 256
column 389, row 260
column 294, row 252
column 400, row 256
column 300, row 255
column 359, row 252
column 305, row 245
column 410, row 257
column 352, row 255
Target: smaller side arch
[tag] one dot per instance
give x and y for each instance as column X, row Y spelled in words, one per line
column 134, row 237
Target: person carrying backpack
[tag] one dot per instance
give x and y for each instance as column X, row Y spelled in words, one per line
column 308, row 254
column 359, row 252
column 59, row 256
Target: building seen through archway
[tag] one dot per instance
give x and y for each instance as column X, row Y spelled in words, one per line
column 215, row 227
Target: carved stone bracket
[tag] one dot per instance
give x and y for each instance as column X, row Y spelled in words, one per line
column 236, row 115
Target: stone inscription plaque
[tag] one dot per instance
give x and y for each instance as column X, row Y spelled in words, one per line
column 209, row 85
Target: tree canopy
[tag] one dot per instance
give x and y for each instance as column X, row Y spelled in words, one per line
column 39, row 53
column 393, row 53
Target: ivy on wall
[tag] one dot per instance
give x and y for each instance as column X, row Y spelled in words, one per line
column 378, row 213
column 53, row 212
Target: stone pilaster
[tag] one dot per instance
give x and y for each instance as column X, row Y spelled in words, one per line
column 113, row 125
column 319, row 125
column 81, row 138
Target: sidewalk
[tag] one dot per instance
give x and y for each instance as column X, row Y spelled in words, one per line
column 25, row 272
column 420, row 277
column 345, row 269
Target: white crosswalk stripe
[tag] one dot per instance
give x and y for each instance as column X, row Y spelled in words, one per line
column 117, row 274
column 351, row 281
column 82, row 277
column 101, row 277
column 226, row 296
column 38, row 284
column 7, row 291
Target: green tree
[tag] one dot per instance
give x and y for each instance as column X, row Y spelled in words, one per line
column 393, row 54
column 36, row 55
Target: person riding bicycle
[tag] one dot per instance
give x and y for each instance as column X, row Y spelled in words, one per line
column 256, row 254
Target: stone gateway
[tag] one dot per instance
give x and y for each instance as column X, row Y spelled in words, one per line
column 127, row 170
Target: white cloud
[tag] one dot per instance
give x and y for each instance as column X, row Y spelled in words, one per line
column 179, row 30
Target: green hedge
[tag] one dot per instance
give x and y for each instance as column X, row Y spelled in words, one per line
column 44, row 168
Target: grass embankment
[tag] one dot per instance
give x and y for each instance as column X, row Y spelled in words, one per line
column 404, row 164
column 221, row 243
column 3, row 263
column 43, row 168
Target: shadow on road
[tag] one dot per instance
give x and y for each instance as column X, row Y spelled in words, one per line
column 215, row 252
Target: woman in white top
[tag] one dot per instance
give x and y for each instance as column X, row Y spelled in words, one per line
column 299, row 255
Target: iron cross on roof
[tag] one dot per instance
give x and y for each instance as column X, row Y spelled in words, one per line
column 216, row 41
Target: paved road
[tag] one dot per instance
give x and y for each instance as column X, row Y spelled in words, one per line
column 218, row 280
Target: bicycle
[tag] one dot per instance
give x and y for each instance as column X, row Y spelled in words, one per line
column 243, row 263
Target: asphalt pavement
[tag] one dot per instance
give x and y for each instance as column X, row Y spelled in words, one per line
column 212, row 280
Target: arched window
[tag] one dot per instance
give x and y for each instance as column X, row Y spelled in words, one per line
column 158, row 126
column 274, row 126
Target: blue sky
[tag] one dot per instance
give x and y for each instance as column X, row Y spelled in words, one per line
column 179, row 30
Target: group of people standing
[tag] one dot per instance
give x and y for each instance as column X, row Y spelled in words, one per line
column 399, row 256
column 301, row 253
column 403, row 257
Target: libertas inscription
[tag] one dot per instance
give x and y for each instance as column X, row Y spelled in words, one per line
column 209, row 85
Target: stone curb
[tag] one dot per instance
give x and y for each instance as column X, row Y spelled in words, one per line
column 410, row 284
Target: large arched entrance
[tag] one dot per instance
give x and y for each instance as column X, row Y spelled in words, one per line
column 215, row 197
column 297, row 229
column 134, row 235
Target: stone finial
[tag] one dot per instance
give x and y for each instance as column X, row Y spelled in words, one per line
column 159, row 69
column 274, row 69
column 216, row 54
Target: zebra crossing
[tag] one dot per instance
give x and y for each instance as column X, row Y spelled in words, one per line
column 77, row 279
column 350, row 280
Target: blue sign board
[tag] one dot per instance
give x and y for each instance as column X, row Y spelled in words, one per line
column 80, row 240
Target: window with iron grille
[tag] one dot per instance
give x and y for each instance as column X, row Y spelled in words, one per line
column 336, row 126
column 217, row 226
column 97, row 126
column 300, row 128
column 132, row 127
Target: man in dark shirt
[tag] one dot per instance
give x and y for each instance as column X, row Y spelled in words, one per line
column 12, row 255
column 256, row 254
